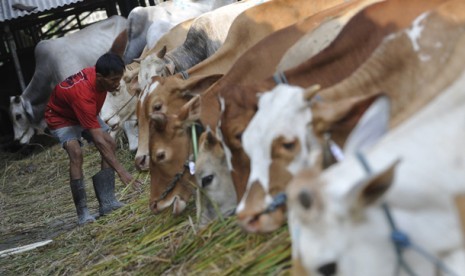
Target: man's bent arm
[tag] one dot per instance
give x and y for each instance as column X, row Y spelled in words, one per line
column 105, row 144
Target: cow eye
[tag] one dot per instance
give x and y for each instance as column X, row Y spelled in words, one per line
column 289, row 146
column 157, row 107
column 207, row 180
column 18, row 117
column 305, row 199
column 239, row 136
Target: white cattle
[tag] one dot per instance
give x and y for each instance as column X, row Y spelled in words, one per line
column 206, row 34
column 55, row 60
column 337, row 222
column 160, row 19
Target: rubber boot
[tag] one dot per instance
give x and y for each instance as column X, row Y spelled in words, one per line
column 80, row 201
column 104, row 186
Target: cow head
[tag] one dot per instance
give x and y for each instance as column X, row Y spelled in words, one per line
column 155, row 65
column 165, row 95
column 275, row 142
column 170, row 150
column 213, row 175
column 327, row 218
column 21, row 117
column 117, row 109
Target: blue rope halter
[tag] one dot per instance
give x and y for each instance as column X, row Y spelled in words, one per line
column 400, row 239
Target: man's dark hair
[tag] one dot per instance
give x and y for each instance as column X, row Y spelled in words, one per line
column 108, row 64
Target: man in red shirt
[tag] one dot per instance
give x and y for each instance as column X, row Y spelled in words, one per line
column 72, row 113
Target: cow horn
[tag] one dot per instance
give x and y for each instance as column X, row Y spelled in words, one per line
column 311, row 91
column 162, row 52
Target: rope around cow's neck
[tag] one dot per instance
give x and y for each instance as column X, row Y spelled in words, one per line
column 119, row 110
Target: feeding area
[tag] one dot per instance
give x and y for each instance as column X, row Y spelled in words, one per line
column 36, row 205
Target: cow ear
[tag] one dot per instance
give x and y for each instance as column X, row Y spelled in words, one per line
column 196, row 86
column 189, row 113
column 28, row 109
column 134, row 87
column 369, row 190
column 170, row 67
column 17, row 99
column 373, row 124
column 209, row 139
column 162, row 52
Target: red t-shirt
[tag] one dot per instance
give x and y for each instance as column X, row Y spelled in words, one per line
column 75, row 101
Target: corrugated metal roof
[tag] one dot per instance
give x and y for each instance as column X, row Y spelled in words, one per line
column 7, row 12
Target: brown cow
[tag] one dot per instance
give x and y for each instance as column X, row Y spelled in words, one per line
column 289, row 12
column 287, row 150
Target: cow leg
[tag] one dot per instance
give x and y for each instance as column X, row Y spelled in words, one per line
column 104, row 186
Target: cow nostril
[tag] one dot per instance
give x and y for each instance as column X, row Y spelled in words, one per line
column 153, row 206
column 328, row 269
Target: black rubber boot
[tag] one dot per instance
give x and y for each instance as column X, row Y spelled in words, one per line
column 80, row 201
column 104, row 185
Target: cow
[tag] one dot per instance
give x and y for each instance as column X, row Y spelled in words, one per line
column 304, row 9
column 55, row 60
column 354, row 44
column 212, row 175
column 402, row 184
column 118, row 112
column 160, row 19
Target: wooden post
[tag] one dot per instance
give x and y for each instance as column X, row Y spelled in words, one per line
column 14, row 55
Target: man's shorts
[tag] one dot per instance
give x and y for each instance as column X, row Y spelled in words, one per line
column 69, row 133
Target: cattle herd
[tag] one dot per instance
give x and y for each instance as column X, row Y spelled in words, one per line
column 343, row 119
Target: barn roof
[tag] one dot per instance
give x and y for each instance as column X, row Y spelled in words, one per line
column 14, row 9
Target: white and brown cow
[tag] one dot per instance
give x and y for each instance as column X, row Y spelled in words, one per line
column 338, row 219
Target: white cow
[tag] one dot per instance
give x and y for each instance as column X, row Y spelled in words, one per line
column 337, row 223
column 206, row 34
column 57, row 59
column 160, row 19
column 118, row 111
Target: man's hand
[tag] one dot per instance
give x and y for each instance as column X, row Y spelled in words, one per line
column 127, row 179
